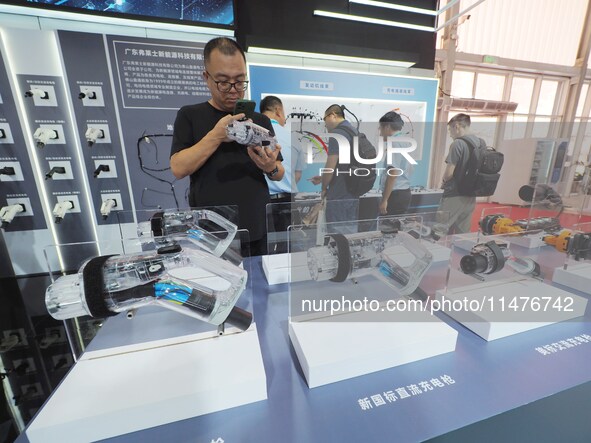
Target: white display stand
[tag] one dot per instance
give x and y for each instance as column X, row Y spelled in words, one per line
column 493, row 322
column 440, row 253
column 577, row 276
column 281, row 268
column 329, row 352
column 531, row 241
column 129, row 388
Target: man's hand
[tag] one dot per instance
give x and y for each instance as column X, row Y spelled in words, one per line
column 189, row 160
column 219, row 130
column 264, row 157
column 383, row 208
column 316, row 180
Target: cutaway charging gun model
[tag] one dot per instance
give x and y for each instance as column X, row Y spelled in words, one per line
column 492, row 256
column 249, row 134
column 346, row 256
column 174, row 276
column 193, row 222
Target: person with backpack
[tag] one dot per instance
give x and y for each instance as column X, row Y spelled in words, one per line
column 394, row 183
column 341, row 204
column 459, row 199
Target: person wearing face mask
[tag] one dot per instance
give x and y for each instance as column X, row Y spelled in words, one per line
column 223, row 172
column 283, row 192
column 395, row 181
column 293, row 156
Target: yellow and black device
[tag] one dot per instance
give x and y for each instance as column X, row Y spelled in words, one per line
column 560, row 241
column 577, row 245
column 500, row 224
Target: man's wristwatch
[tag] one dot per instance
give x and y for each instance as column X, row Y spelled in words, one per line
column 272, row 173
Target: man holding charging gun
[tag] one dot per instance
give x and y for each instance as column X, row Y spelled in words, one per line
column 224, row 172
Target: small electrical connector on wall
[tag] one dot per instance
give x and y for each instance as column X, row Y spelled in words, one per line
column 43, row 135
column 61, row 209
column 36, row 92
column 7, row 213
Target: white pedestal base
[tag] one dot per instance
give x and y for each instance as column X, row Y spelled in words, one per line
column 283, row 268
column 338, row 350
column 577, row 276
column 105, row 396
column 440, row 253
column 278, row 267
column 497, row 319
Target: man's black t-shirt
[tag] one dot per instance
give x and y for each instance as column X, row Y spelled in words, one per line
column 229, row 176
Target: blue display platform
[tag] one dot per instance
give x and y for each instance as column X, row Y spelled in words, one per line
column 413, row 402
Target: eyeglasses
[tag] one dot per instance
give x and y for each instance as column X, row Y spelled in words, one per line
column 224, row 86
column 326, row 116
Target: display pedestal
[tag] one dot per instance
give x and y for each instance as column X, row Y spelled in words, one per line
column 531, row 241
column 577, row 276
column 507, row 307
column 125, row 390
column 440, row 253
column 281, row 268
column 331, row 351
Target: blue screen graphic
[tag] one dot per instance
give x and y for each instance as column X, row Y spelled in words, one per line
column 213, row 12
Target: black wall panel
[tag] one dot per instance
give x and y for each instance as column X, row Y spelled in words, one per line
column 291, row 25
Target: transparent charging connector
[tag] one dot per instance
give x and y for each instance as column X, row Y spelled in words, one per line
column 64, row 260
column 423, row 225
column 213, row 229
column 168, row 276
column 172, row 273
column 493, row 258
column 497, row 281
column 351, row 262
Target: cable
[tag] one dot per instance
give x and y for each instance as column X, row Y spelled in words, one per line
column 344, row 108
column 157, row 191
column 412, row 128
column 318, row 144
column 303, row 114
column 444, row 93
column 149, row 139
column 148, row 171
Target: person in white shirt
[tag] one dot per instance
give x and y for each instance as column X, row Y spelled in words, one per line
column 293, row 156
column 282, row 191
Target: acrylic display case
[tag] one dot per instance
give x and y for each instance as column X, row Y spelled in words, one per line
column 361, row 309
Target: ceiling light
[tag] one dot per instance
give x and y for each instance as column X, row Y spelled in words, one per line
column 375, row 61
column 375, row 21
column 395, row 6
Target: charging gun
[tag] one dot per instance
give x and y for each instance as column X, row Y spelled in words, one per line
column 249, row 134
column 377, row 252
column 107, row 285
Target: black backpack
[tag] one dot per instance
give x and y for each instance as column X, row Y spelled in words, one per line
column 480, row 176
column 362, row 183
